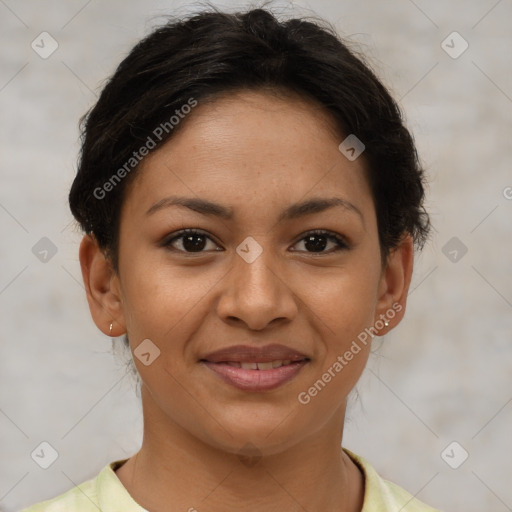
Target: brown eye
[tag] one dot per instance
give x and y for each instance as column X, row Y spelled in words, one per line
column 189, row 240
column 316, row 241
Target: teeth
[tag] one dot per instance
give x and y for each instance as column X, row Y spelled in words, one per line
column 259, row 366
column 249, row 366
column 265, row 366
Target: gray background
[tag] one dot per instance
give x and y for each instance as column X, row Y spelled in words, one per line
column 444, row 375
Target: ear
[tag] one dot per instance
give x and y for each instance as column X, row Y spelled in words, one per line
column 394, row 286
column 102, row 288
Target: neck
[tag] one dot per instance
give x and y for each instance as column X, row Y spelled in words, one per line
column 173, row 467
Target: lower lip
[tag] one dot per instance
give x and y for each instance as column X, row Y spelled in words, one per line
column 256, row 380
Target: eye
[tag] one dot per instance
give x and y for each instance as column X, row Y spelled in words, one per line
column 317, row 240
column 189, row 240
column 195, row 241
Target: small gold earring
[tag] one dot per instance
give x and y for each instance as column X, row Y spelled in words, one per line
column 111, row 325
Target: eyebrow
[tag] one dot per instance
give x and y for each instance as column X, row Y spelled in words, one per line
column 294, row 211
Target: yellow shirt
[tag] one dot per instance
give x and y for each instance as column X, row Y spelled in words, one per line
column 106, row 493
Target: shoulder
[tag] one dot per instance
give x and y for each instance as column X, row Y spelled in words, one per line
column 383, row 496
column 105, row 492
column 82, row 498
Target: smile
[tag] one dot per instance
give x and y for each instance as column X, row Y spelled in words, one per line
column 255, row 369
column 259, row 366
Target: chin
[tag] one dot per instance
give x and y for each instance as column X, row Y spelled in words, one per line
column 254, row 431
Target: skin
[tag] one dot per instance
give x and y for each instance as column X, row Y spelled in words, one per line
column 256, row 153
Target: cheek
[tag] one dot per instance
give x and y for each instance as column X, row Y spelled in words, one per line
column 159, row 295
column 345, row 301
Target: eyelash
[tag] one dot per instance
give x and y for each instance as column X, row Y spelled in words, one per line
column 331, row 236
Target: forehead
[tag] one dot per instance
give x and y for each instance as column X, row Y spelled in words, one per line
column 252, row 147
column 248, row 119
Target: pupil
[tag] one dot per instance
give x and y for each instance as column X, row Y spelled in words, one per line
column 315, row 246
column 190, row 245
column 198, row 245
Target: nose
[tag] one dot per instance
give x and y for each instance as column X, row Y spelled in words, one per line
column 257, row 293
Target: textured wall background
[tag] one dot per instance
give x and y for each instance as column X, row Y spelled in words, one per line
column 444, row 375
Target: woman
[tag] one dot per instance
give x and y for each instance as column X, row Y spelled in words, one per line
column 251, row 201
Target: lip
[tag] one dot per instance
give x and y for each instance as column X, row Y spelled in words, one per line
column 255, row 380
column 248, row 354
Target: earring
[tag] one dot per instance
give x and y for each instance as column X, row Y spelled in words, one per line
column 111, row 325
column 386, row 323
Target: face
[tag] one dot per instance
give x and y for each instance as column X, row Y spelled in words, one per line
column 278, row 278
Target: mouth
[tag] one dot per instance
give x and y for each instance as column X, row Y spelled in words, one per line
column 256, row 368
column 258, row 365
